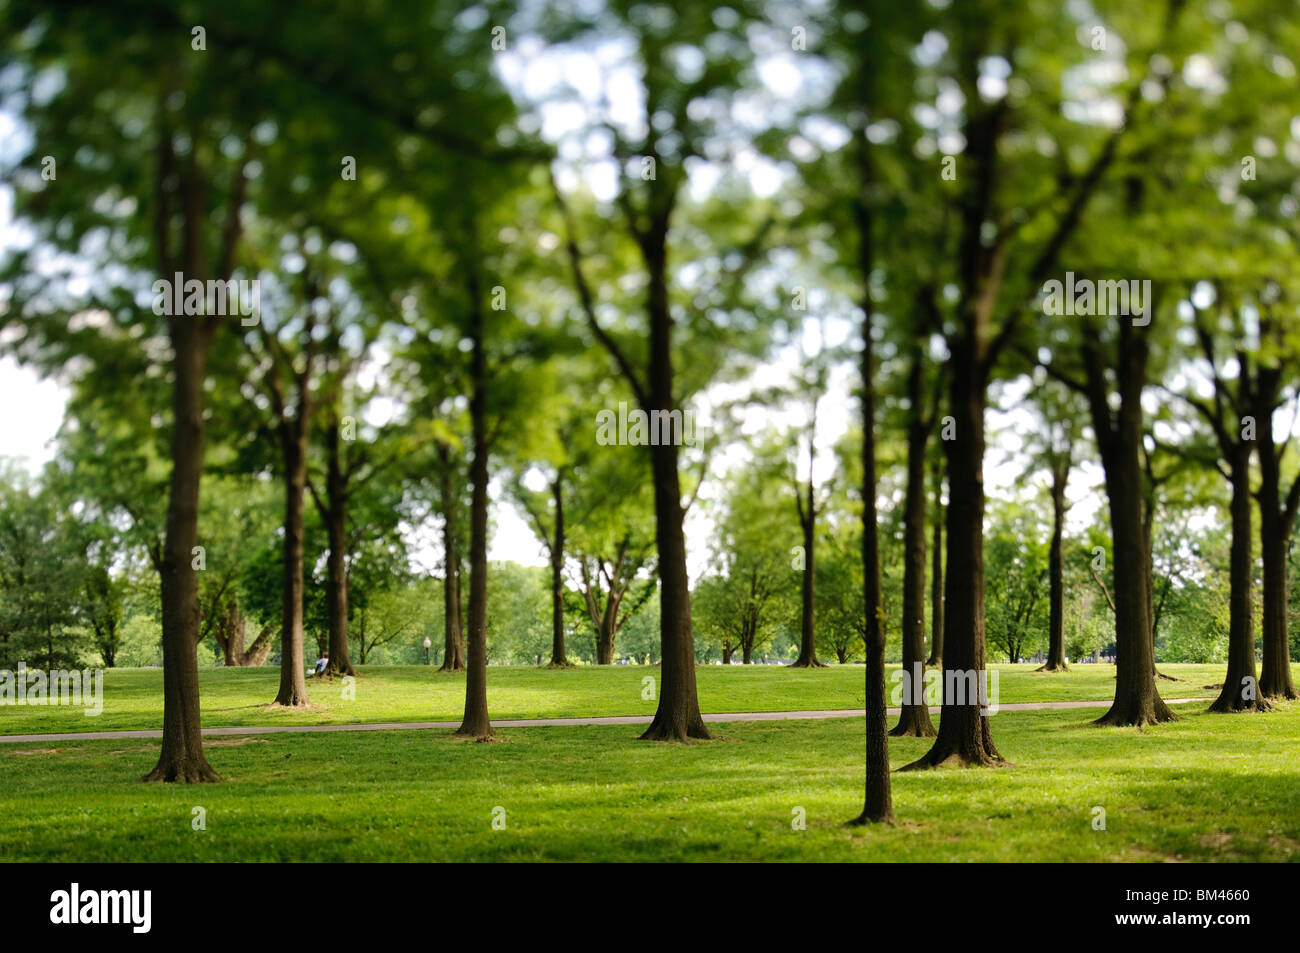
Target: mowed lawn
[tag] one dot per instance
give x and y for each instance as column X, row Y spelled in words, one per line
column 1206, row 787
column 240, row 697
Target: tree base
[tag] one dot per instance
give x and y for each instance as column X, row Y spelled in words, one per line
column 479, row 732
column 291, row 700
column 663, row 729
column 1282, row 693
column 945, row 754
column 1051, row 667
column 444, row 667
column 814, row 662
column 339, row 670
column 191, row 770
column 1234, row 704
column 864, row 819
column 1132, row 714
column 913, row 722
column 563, row 663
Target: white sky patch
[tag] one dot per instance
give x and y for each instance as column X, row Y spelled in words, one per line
column 36, row 408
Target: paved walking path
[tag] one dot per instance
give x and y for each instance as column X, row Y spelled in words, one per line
column 806, row 715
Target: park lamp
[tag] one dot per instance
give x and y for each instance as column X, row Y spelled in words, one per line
column 428, row 644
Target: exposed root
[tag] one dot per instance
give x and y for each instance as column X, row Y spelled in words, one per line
column 1236, row 705
column 188, row 771
column 914, row 722
column 807, row 663
column 661, row 730
column 863, row 820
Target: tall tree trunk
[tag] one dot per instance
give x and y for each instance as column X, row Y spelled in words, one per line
column 878, row 801
column 1240, row 688
column 453, row 658
column 1275, row 525
column 1055, row 571
column 914, row 718
column 936, row 575
column 336, row 523
column 1120, row 437
column 293, row 679
column 182, row 757
column 726, row 653
column 558, row 658
column 677, row 717
column 964, row 736
column 808, row 585
column 476, row 722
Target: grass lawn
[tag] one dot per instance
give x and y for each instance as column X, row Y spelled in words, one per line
column 237, row 697
column 1206, row 787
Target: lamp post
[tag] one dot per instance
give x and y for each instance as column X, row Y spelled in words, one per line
column 427, row 645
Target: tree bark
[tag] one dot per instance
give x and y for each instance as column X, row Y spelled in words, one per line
column 336, row 524
column 914, row 717
column 182, row 757
column 964, row 736
column 1240, row 688
column 808, row 585
column 936, row 576
column 293, row 679
column 1119, row 436
column 677, row 717
column 453, row 659
column 558, row 658
column 231, row 632
column 605, row 644
column 1277, row 519
column 878, row 802
column 1055, row 571
column 476, row 722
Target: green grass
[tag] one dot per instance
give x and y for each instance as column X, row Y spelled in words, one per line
column 240, row 697
column 1206, row 787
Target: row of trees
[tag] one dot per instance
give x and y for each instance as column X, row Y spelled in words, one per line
column 481, row 227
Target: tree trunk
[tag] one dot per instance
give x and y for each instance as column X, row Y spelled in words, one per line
column 1055, row 571
column 726, row 653
column 453, row 659
column 808, row 587
column 936, row 576
column 476, row 722
column 1275, row 525
column 605, row 643
column 964, row 736
column 1240, row 688
column 182, row 757
column 336, row 524
column 558, row 658
column 878, row 802
column 1120, row 437
column 914, row 718
column 293, row 679
column 677, row 717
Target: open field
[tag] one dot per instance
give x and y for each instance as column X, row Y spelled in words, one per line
column 240, row 697
column 1205, row 787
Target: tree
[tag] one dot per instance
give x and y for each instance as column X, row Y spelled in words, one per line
column 651, row 156
column 1234, row 433
column 1276, row 364
column 922, row 410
